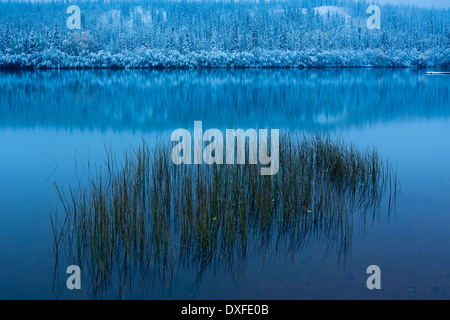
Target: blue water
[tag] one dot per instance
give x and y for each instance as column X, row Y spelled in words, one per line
column 52, row 123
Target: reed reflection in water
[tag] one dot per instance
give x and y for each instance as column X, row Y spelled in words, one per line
column 141, row 218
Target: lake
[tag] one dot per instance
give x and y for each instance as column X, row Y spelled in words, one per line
column 56, row 124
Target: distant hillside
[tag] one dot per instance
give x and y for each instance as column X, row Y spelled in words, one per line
column 185, row 34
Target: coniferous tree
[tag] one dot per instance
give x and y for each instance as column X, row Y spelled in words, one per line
column 186, row 47
column 255, row 37
column 7, row 39
column 235, row 38
column 31, row 43
column 283, row 39
column 56, row 39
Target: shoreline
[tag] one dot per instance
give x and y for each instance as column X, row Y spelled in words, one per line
column 155, row 59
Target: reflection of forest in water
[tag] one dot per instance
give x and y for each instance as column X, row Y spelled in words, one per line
column 142, row 219
column 146, row 100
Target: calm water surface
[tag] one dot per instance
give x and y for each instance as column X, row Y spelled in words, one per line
column 54, row 122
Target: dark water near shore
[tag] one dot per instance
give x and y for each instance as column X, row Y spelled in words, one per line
column 52, row 122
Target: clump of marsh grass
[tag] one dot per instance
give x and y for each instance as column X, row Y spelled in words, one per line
column 145, row 215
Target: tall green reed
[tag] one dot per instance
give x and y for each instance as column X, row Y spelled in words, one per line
column 145, row 216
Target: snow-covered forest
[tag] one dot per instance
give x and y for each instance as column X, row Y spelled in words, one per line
column 179, row 34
